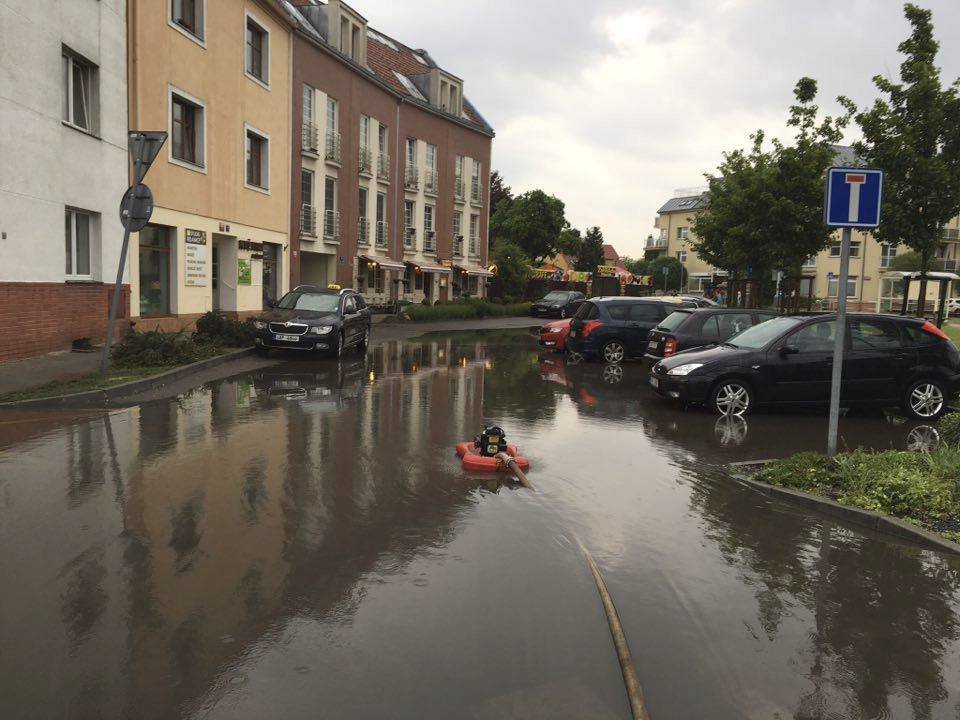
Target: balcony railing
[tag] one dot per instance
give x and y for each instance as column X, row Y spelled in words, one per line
column 411, row 177
column 366, row 161
column 383, row 167
column 429, row 241
column 951, row 234
column 945, row 265
column 409, row 238
column 430, row 181
column 308, row 221
column 363, row 231
column 331, row 225
column 474, row 246
column 310, row 138
column 458, row 245
column 332, row 152
column 476, row 197
column 458, row 188
column 383, row 233
column 656, row 243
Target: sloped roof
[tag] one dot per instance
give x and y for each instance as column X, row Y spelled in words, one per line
column 688, row 203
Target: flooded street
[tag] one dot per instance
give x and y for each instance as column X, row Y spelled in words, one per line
column 300, row 541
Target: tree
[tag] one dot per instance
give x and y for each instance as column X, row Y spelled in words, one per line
column 676, row 275
column 638, row 266
column 570, row 242
column 591, row 252
column 533, row 221
column 906, row 262
column 499, row 191
column 914, row 135
column 513, row 268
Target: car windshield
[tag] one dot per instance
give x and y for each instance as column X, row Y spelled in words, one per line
column 673, row 320
column 314, row 302
column 554, row 296
column 761, row 335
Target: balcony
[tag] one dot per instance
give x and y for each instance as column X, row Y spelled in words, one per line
column 409, row 239
column 945, row 265
column 951, row 235
column 476, row 197
column 331, row 225
column 363, row 231
column 332, row 152
column 458, row 245
column 458, row 189
column 308, row 221
column 383, row 233
column 474, row 246
column 365, row 165
column 310, row 139
column 430, row 181
column 656, row 244
column 429, row 241
column 383, row 167
column 411, row 177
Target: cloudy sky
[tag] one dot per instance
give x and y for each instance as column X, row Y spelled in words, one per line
column 611, row 105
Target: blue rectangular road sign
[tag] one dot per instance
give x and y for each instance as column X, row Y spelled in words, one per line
column 853, row 197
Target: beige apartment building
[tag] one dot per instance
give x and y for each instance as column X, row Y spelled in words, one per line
column 217, row 76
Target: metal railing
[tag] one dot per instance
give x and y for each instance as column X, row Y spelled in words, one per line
column 428, row 241
column 332, row 151
column 310, row 135
column 458, row 188
column 383, row 233
column 363, row 231
column 411, row 177
column 409, row 238
column 458, row 245
column 331, row 224
column 430, row 181
column 383, row 167
column 946, row 265
column 476, row 196
column 308, row 220
column 656, row 243
column 365, row 164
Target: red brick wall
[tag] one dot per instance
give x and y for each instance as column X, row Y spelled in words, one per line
column 37, row 318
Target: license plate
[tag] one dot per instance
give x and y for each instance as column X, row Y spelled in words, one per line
column 287, row 338
column 652, row 345
column 654, row 382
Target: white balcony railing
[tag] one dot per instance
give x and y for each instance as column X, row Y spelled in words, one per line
column 409, row 238
column 308, row 221
column 458, row 245
column 365, row 164
column 363, row 231
column 332, row 151
column 411, row 177
column 383, row 233
column 476, row 197
column 331, row 225
column 429, row 241
column 383, row 167
column 430, row 181
column 310, row 138
column 656, row 243
column 458, row 188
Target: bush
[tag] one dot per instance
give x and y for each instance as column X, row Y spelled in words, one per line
column 949, row 427
column 155, row 348
column 222, row 330
column 465, row 309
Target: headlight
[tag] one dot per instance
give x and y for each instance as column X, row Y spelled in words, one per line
column 321, row 329
column 259, row 324
column 684, row 369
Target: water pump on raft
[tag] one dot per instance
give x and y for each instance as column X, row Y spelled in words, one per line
column 491, row 441
column 480, row 455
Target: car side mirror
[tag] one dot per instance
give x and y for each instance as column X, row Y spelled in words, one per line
column 789, row 350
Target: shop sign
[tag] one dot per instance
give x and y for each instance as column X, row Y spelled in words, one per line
column 250, row 246
column 606, row 270
column 244, row 272
column 195, row 237
column 195, row 263
column 541, row 274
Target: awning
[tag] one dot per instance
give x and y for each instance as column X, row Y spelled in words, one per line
column 384, row 263
column 476, row 270
column 431, row 268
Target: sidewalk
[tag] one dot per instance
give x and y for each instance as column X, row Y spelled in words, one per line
column 31, row 372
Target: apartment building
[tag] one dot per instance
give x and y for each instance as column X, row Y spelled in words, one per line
column 64, row 150
column 391, row 164
column 217, row 76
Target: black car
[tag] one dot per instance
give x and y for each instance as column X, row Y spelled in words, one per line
column 889, row 360
column 557, row 303
column 309, row 318
column 690, row 328
column 615, row 328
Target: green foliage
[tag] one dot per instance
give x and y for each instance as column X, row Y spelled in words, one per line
column 914, row 135
column 949, row 428
column 676, row 273
column 570, row 242
column 500, row 192
column 908, row 262
column 513, row 268
column 533, row 221
column 155, row 348
column 637, row 266
column 219, row 329
column 466, row 309
column 591, row 251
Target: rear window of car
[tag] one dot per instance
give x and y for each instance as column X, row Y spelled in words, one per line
column 587, row 311
column 674, row 320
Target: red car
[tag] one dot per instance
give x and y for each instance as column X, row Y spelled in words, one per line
column 553, row 335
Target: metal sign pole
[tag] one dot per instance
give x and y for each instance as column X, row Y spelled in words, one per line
column 838, row 344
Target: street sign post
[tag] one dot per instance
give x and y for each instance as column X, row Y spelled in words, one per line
column 853, row 199
column 136, row 206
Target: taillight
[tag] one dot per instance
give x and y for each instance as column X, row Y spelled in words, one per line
column 590, row 327
column 669, row 347
column 931, row 329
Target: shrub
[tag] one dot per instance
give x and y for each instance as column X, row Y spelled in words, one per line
column 466, row 309
column 155, row 348
column 949, row 427
column 222, row 330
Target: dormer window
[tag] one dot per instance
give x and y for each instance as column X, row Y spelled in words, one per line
column 353, row 34
column 449, row 94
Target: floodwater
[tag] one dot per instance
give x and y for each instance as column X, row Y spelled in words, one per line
column 301, row 542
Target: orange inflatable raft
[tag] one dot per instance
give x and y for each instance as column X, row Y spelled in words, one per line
column 474, row 461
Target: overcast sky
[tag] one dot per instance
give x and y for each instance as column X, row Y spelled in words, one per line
column 612, row 105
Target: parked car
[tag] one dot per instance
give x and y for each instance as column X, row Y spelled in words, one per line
column 690, row 328
column 312, row 319
column 700, row 301
column 616, row 328
column 553, row 335
column 557, row 303
column 953, row 306
column 788, row 361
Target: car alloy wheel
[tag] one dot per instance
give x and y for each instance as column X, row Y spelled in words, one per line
column 732, row 397
column 614, row 352
column 613, row 374
column 925, row 400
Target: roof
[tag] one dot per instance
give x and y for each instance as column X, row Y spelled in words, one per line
column 610, row 253
column 688, row 203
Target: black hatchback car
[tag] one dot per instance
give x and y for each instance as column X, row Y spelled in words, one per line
column 688, row 328
column 889, row 360
column 309, row 318
column 615, row 328
column 557, row 303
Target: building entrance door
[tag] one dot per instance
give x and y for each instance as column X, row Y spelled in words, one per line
column 214, row 276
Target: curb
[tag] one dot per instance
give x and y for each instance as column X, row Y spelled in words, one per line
column 878, row 522
column 107, row 396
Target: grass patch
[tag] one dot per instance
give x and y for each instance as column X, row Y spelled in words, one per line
column 465, row 310
column 83, row 383
column 922, row 488
column 952, row 330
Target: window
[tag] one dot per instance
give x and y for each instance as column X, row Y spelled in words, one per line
column 854, row 249
column 258, row 51
column 308, row 214
column 817, row 337
column 258, row 160
column 887, row 253
column 810, row 262
column 355, row 43
column 474, row 240
column 832, row 283
column 306, row 186
column 364, row 132
column 409, row 215
column 428, row 212
column 78, row 87
column 869, row 334
column 731, row 324
column 411, row 151
column 77, row 230
column 154, row 251
column 331, row 115
column 646, row 312
column 683, row 233
column 344, row 36
column 682, row 255
column 331, row 219
column 186, row 124
column 330, row 194
column 363, row 202
column 307, row 104
column 381, row 207
column 383, row 140
column 618, row 312
column 349, row 305
column 187, row 15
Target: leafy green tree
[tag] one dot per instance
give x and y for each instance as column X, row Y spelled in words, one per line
column 637, row 266
column 906, row 262
column 513, row 268
column 533, row 221
column 914, row 135
column 591, row 252
column 570, row 242
column 676, row 275
column 499, row 191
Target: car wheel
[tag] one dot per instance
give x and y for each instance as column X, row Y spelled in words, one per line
column 731, row 397
column 613, row 352
column 925, row 399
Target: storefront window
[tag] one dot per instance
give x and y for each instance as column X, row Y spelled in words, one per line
column 155, row 271
column 270, row 274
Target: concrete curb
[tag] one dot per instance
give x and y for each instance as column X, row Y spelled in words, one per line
column 108, row 396
column 865, row 518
